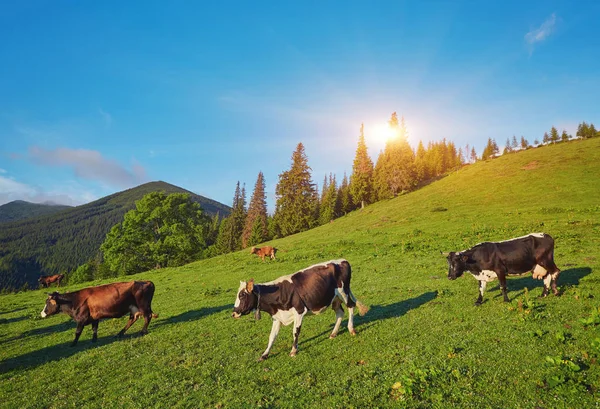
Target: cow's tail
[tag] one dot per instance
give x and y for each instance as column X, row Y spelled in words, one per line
column 154, row 315
column 362, row 309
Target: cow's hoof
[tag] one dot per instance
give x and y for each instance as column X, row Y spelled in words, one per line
column 293, row 353
column 352, row 332
column 262, row 358
column 478, row 303
column 332, row 336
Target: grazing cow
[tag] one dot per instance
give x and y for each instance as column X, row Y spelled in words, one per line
column 490, row 260
column 264, row 251
column 90, row 305
column 45, row 281
column 288, row 298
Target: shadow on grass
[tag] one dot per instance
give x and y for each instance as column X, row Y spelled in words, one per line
column 375, row 313
column 57, row 352
column 14, row 310
column 192, row 315
column 572, row 276
column 11, row 320
column 63, row 326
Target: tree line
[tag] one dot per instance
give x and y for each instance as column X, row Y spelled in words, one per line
column 171, row 230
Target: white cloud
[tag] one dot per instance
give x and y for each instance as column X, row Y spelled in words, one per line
column 11, row 190
column 2, row 170
column 539, row 34
column 90, row 165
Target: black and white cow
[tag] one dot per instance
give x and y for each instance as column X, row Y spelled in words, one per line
column 289, row 298
column 490, row 260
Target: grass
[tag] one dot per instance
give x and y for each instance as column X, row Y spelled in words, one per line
column 423, row 344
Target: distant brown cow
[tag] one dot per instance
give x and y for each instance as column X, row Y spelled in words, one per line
column 264, row 251
column 45, row 281
column 90, row 305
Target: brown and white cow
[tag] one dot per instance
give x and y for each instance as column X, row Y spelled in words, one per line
column 90, row 305
column 289, row 298
column 262, row 252
column 45, row 281
column 490, row 260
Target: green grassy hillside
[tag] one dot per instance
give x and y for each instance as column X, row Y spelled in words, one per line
column 19, row 210
column 423, row 343
column 63, row 241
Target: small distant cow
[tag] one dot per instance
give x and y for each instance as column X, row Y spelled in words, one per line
column 490, row 260
column 264, row 251
column 90, row 305
column 288, row 299
column 45, row 281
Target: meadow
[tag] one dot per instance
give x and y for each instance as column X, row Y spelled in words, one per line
column 423, row 344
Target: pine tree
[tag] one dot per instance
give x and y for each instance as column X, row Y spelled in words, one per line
column 507, row 147
column 345, row 197
column 296, row 197
column 394, row 170
column 495, row 149
column 592, row 133
column 231, row 229
column 546, row 138
column 524, row 143
column 514, row 144
column 255, row 228
column 536, row 142
column 488, row 150
column 361, row 181
column 473, row 155
column 421, row 168
column 564, row 136
column 328, row 204
column 553, row 135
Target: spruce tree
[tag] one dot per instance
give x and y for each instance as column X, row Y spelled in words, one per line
column 345, row 197
column 546, row 138
column 553, row 135
column 296, row 197
column 592, row 133
column 232, row 227
column 328, row 204
column 524, row 143
column 514, row 144
column 507, row 147
column 255, row 228
column 473, row 155
column 564, row 136
column 361, row 182
column 421, row 168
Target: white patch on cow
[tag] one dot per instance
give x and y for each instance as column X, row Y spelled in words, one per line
column 317, row 312
column 547, row 280
column 43, row 313
column 280, row 280
column 324, row 264
column 538, row 235
column 486, row 275
column 237, row 299
column 285, row 317
column 539, row 272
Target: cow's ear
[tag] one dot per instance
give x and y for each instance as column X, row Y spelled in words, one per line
column 250, row 285
column 464, row 258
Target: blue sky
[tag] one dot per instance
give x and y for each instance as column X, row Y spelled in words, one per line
column 96, row 97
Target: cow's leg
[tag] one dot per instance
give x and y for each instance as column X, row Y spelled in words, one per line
column 351, row 321
column 554, row 279
column 339, row 316
column 78, row 332
column 274, row 331
column 147, row 318
column 502, row 279
column 95, row 330
column 297, row 327
column 132, row 318
column 547, row 282
column 482, row 285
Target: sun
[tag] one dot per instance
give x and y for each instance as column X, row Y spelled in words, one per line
column 381, row 133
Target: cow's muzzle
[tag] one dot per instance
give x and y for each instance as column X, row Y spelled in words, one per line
column 236, row 315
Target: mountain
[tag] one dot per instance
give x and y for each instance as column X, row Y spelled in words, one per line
column 20, row 209
column 53, row 243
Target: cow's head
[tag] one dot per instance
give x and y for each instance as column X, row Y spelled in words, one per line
column 253, row 250
column 457, row 264
column 247, row 299
column 52, row 305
